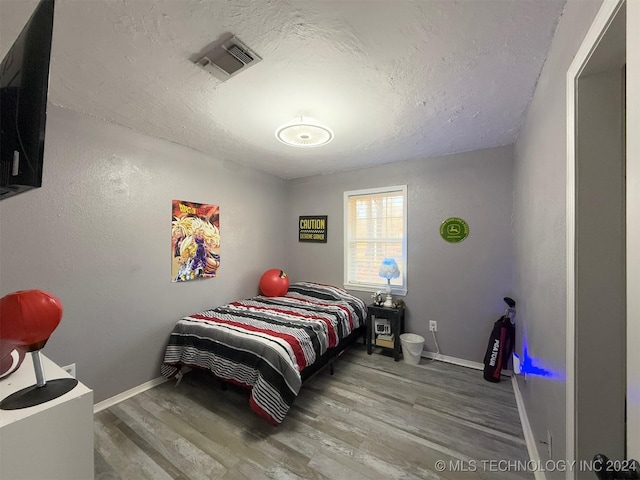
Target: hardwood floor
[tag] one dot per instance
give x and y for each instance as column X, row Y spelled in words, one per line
column 373, row 419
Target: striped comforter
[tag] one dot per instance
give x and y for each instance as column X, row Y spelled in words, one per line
column 265, row 342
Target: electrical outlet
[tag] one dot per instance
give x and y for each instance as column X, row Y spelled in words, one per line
column 433, row 326
column 70, row 369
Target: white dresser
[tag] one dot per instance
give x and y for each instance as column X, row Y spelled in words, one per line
column 53, row 440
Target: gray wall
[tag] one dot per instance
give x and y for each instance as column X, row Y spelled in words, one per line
column 97, row 235
column 461, row 286
column 539, row 232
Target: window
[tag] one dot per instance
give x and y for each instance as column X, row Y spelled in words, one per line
column 375, row 229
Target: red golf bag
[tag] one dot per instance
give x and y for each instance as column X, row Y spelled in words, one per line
column 501, row 344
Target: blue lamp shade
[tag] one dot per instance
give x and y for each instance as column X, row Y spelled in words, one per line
column 389, row 269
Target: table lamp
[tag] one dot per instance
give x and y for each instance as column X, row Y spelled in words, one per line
column 389, row 269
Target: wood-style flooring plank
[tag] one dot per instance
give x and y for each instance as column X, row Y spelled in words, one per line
column 122, row 454
column 373, row 419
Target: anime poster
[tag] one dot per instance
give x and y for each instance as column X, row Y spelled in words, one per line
column 195, row 241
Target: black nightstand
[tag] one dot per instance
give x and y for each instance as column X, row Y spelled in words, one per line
column 396, row 321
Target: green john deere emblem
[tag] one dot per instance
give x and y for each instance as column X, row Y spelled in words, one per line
column 454, row 230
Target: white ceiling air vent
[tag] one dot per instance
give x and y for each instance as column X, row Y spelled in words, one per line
column 228, row 59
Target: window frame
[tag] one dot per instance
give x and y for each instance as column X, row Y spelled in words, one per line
column 370, row 287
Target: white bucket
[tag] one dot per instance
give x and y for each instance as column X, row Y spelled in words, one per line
column 411, row 347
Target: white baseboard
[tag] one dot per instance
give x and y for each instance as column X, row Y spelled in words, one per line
column 456, row 361
column 109, row 402
column 460, row 361
column 526, row 430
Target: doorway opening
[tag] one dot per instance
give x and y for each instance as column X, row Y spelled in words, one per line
column 596, row 242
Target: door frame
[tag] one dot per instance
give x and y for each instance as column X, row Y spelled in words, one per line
column 633, row 229
column 599, row 26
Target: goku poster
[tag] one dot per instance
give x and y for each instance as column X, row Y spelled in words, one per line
column 195, row 241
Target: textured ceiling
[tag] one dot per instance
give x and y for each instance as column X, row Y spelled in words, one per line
column 394, row 79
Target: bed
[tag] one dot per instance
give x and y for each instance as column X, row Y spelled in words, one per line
column 268, row 344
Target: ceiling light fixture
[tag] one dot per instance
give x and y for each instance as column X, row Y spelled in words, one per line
column 304, row 133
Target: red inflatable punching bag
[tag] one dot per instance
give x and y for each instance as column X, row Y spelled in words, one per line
column 27, row 320
column 274, row 283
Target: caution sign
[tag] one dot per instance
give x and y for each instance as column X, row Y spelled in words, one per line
column 313, row 229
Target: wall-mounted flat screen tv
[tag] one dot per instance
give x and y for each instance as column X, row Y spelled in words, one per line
column 24, row 83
